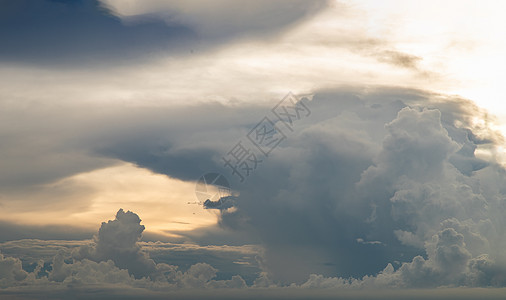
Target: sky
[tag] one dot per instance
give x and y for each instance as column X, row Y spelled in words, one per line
column 223, row 149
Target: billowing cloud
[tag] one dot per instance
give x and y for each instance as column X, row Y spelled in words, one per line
column 109, row 104
column 448, row 263
column 10, row 271
column 394, row 163
column 117, row 241
column 114, row 258
column 381, row 170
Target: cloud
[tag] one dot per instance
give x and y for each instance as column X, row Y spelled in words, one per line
column 223, row 203
column 399, row 58
column 117, row 246
column 416, row 147
column 79, row 32
column 380, row 187
column 336, row 181
column 45, row 161
column 88, row 272
column 448, row 263
column 115, row 258
column 371, row 164
column 228, row 260
column 221, row 19
column 10, row 271
column 361, row 241
column 87, row 33
column 11, row 231
column 117, row 240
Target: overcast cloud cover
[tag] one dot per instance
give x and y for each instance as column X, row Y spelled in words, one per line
column 390, row 185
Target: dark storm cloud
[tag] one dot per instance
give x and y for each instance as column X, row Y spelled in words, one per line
column 347, row 177
column 43, row 145
column 79, row 32
column 56, row 33
column 297, row 202
column 171, row 141
column 302, row 200
column 65, row 137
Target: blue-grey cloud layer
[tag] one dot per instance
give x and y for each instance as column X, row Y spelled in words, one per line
column 87, row 33
column 83, row 32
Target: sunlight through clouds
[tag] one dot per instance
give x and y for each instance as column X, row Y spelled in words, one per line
column 162, row 201
column 394, row 178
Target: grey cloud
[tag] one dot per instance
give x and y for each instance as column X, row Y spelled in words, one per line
column 222, row 204
column 465, row 161
column 42, row 147
column 416, row 146
column 40, row 144
column 87, row 33
column 78, row 32
column 305, row 203
column 448, row 264
column 87, row 272
column 11, row 231
column 10, row 271
column 228, row 260
column 334, row 186
column 223, row 19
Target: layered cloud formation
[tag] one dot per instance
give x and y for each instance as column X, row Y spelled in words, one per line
column 376, row 189
column 99, row 33
column 382, row 182
column 116, row 258
column 108, row 104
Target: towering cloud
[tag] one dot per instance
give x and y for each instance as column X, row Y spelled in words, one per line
column 10, row 271
column 382, row 180
column 114, row 259
column 117, row 240
column 399, row 177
